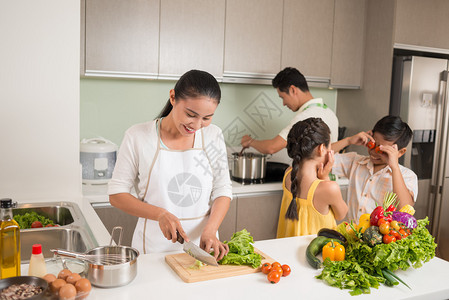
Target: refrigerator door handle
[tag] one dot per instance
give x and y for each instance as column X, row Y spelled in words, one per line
column 440, row 153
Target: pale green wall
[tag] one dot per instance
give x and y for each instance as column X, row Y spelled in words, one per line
column 110, row 106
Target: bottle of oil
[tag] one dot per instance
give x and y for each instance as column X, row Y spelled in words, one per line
column 9, row 241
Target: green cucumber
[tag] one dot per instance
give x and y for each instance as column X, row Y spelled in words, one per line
column 314, row 248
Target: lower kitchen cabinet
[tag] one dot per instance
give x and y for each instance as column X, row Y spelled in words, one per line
column 256, row 212
column 112, row 216
column 227, row 227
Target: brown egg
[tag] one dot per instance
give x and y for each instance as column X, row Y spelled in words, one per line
column 73, row 278
column 83, row 287
column 67, row 292
column 49, row 278
column 57, row 284
column 64, row 273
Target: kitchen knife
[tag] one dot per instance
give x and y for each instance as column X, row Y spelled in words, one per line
column 196, row 252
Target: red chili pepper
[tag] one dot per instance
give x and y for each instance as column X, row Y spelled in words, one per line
column 391, row 208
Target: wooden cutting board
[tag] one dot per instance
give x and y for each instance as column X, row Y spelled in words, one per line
column 182, row 262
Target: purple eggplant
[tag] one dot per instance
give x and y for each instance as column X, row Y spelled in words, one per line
column 407, row 219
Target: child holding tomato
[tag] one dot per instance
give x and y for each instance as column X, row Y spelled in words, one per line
column 370, row 177
column 310, row 200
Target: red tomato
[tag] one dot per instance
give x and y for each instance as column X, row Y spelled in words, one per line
column 277, row 269
column 276, row 264
column 286, row 270
column 274, row 277
column 370, row 144
column 403, row 233
column 36, row 224
column 266, row 268
column 384, row 228
column 388, row 238
column 380, row 221
column 396, row 234
column 378, row 150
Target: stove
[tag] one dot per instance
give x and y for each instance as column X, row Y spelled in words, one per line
column 275, row 173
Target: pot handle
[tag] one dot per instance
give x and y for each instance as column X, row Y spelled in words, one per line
column 120, row 235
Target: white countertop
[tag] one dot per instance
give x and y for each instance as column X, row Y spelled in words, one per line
column 99, row 193
column 156, row 280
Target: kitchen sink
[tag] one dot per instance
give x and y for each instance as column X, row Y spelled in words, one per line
column 60, row 215
column 73, row 232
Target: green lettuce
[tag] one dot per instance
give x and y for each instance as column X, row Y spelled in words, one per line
column 363, row 265
column 241, row 251
column 28, row 218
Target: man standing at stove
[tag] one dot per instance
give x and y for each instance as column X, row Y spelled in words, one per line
column 293, row 89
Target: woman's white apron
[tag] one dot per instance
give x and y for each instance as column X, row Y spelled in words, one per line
column 181, row 182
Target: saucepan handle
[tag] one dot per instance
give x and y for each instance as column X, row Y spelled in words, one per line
column 120, row 235
column 66, row 253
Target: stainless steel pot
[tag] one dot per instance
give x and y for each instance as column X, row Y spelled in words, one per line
column 108, row 266
column 248, row 165
column 113, row 275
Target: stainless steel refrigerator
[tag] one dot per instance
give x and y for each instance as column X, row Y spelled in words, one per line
column 419, row 95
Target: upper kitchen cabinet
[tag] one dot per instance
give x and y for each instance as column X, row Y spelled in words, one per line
column 253, row 36
column 307, row 38
column 348, row 44
column 191, row 37
column 82, row 35
column 422, row 23
column 122, row 38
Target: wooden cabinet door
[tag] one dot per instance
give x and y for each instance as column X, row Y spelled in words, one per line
column 253, row 34
column 307, row 37
column 122, row 38
column 348, row 44
column 191, row 37
column 259, row 214
column 82, row 36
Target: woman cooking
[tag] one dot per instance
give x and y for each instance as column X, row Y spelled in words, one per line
column 178, row 165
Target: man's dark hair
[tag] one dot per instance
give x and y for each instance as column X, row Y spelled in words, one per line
column 393, row 129
column 288, row 77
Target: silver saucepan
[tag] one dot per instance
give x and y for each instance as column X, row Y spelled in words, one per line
column 248, row 166
column 108, row 266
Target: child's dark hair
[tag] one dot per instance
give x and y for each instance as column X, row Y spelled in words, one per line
column 302, row 140
column 393, row 129
column 288, row 77
column 192, row 84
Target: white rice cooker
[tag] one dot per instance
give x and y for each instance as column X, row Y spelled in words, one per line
column 97, row 157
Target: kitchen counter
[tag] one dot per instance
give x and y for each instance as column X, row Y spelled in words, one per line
column 156, row 280
column 99, row 193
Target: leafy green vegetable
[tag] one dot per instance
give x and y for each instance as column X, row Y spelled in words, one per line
column 241, row 251
column 348, row 274
column 197, row 265
column 28, row 218
column 364, row 266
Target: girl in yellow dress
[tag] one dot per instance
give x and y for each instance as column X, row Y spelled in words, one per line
column 310, row 200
